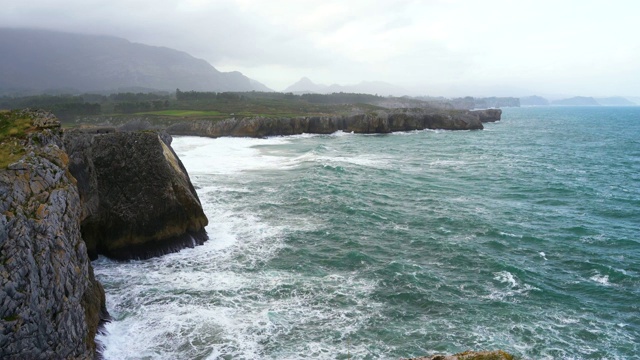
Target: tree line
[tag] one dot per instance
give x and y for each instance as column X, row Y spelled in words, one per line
column 69, row 106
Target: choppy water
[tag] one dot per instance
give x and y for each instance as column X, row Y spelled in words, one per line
column 524, row 236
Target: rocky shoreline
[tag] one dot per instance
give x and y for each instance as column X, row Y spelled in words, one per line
column 71, row 196
column 470, row 355
column 373, row 123
column 67, row 199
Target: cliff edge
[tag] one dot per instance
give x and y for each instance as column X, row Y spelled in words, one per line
column 50, row 303
column 65, row 198
column 372, row 123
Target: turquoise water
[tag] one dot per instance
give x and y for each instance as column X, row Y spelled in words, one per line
column 524, row 237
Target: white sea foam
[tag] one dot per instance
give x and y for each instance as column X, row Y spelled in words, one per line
column 341, row 133
column 301, row 136
column 374, row 161
column 363, row 160
column 234, row 319
column 506, row 277
column 226, row 155
column 513, row 289
column 447, row 163
column 567, row 320
column 510, row 235
column 210, row 302
column 404, row 133
column 601, row 279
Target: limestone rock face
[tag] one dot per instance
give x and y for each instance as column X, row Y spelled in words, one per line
column 375, row 123
column 50, row 303
column 138, row 199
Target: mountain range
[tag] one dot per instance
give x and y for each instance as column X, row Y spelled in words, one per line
column 40, row 60
column 305, row 85
column 34, row 61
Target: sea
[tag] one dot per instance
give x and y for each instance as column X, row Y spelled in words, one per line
column 524, row 236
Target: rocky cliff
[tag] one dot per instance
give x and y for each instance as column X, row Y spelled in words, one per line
column 50, row 303
column 125, row 195
column 381, row 122
column 138, row 201
column 489, row 115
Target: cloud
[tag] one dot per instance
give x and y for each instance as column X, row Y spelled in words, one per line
column 543, row 46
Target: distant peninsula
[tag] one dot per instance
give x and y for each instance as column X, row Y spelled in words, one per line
column 264, row 113
column 577, row 101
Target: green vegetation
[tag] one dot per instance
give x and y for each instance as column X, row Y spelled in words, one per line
column 61, row 105
column 193, row 105
column 13, row 129
column 163, row 108
column 13, row 125
column 272, row 104
column 182, row 113
column 13, row 317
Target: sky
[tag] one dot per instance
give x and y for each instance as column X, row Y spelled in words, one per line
column 429, row 47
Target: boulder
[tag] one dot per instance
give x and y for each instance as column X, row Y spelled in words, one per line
column 488, row 115
column 138, row 199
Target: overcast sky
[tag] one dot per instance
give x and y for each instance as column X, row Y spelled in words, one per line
column 433, row 47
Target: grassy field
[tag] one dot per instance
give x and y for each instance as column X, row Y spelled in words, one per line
column 164, row 110
column 13, row 129
column 183, row 113
column 220, row 109
column 265, row 106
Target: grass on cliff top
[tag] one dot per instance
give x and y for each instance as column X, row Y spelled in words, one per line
column 13, row 129
column 182, row 113
column 213, row 109
column 217, row 108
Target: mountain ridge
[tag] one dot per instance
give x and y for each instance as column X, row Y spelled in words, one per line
column 42, row 60
column 306, row 85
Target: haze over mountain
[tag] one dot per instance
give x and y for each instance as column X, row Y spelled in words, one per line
column 39, row 60
column 305, row 85
column 590, row 101
column 433, row 48
column 615, row 101
column 533, row 100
